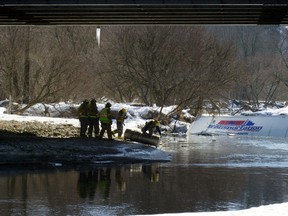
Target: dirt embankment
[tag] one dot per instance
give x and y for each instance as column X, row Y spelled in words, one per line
column 39, row 129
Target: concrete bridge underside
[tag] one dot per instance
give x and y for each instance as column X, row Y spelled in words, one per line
column 143, row 12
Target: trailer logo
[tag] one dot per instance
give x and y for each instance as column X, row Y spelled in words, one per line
column 236, row 126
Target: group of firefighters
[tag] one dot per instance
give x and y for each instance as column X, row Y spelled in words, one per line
column 90, row 117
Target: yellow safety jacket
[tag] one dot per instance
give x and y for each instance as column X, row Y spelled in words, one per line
column 121, row 116
column 93, row 111
column 83, row 111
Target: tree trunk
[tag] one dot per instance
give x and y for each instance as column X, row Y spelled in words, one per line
column 26, row 82
column 9, row 110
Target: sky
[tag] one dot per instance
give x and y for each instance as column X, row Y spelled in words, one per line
column 134, row 122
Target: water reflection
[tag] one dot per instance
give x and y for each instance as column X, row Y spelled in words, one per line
column 120, row 180
column 99, row 180
column 151, row 172
column 87, row 184
column 203, row 176
column 53, row 193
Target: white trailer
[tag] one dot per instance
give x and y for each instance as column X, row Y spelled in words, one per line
column 241, row 125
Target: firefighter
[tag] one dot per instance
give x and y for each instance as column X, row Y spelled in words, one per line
column 93, row 119
column 120, row 122
column 151, row 126
column 83, row 117
column 105, row 118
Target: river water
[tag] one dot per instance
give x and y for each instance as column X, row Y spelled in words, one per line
column 205, row 174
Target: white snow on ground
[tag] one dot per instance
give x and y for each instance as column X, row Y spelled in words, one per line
column 134, row 119
column 269, row 111
column 6, row 117
column 269, row 210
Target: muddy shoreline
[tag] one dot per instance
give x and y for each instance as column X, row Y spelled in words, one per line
column 25, row 148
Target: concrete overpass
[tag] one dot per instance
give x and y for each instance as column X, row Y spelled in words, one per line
column 143, row 12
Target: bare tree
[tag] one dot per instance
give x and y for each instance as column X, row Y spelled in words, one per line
column 145, row 61
column 212, row 70
column 53, row 70
column 167, row 65
column 43, row 64
column 26, row 72
column 280, row 71
column 257, row 57
column 10, row 61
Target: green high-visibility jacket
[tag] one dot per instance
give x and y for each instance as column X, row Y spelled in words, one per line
column 105, row 115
